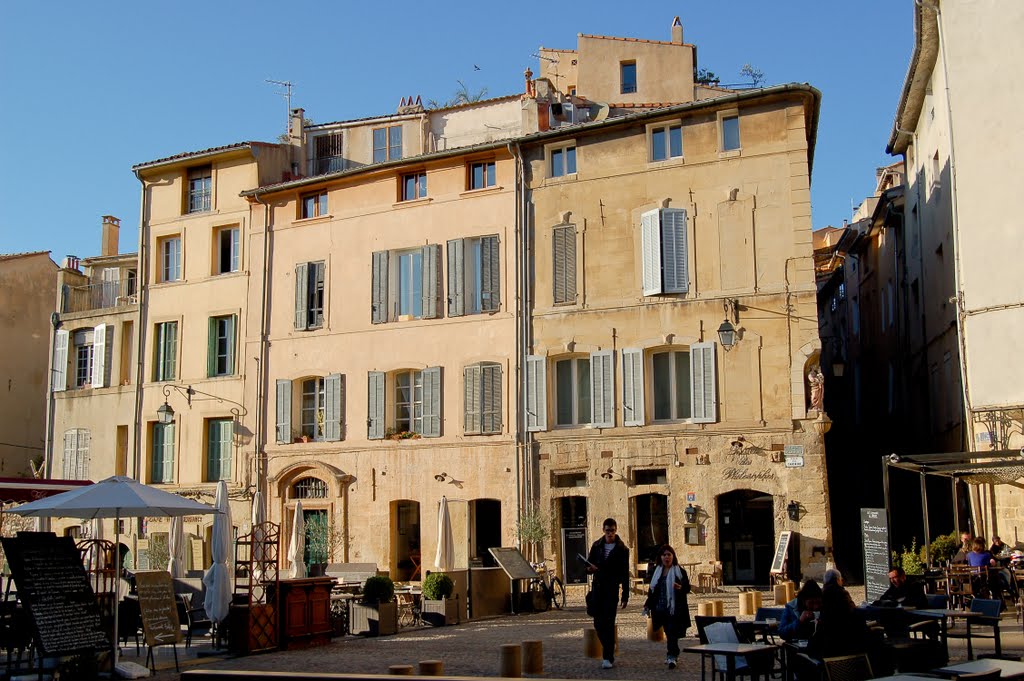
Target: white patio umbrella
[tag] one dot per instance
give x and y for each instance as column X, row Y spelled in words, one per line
column 297, row 546
column 259, row 516
column 445, row 558
column 218, row 578
column 176, row 548
column 116, row 497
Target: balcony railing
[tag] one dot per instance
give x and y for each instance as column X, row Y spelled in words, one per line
column 113, row 293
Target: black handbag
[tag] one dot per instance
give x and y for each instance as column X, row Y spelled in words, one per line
column 591, row 604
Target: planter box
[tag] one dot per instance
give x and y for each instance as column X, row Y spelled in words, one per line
column 380, row 620
column 442, row 612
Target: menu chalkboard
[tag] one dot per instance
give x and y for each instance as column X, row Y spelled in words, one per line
column 513, row 563
column 781, row 550
column 55, row 591
column 574, row 541
column 875, row 531
column 158, row 607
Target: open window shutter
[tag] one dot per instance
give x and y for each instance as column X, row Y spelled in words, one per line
column 674, row 251
column 432, row 402
column 456, row 278
column 318, row 285
column 379, row 289
column 70, row 450
column 632, row 387
column 650, row 235
column 431, row 281
column 490, row 274
column 563, row 253
column 301, row 296
column 211, row 347
column 471, row 399
column 168, row 447
column 232, row 339
column 334, row 409
column 284, row 411
column 102, row 344
column 490, row 388
column 60, row 360
column 702, row 379
column 84, row 441
column 602, row 388
column 536, row 394
column 375, row 405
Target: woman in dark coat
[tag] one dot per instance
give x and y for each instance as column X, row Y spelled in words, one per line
column 666, row 601
column 608, row 562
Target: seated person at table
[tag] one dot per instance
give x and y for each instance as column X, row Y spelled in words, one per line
column 966, row 542
column 799, row 615
column 841, row 630
column 998, row 546
column 902, row 592
column 999, row 579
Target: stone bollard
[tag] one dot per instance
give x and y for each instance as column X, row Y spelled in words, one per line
column 656, row 635
column 400, row 669
column 790, row 591
column 706, row 609
column 781, row 592
column 758, row 603
column 431, row 668
column 719, row 608
column 591, row 643
column 510, row 660
column 533, row 657
column 746, row 603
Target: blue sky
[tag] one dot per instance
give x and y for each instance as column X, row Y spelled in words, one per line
column 89, row 89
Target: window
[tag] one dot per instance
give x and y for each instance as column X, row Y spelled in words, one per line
column 474, row 276
column 169, row 249
column 666, row 142
column 671, row 373
column 409, row 402
column 683, row 385
column 665, row 251
column 387, row 144
column 417, row 406
column 730, row 133
column 219, row 435
column 563, row 161
column 406, row 284
column 227, row 250
column 162, row 468
column 652, row 476
column 83, row 358
column 563, row 256
column 571, row 479
column 414, row 186
column 309, row 295
column 572, row 391
column 312, row 417
column 627, row 71
column 410, row 284
column 166, row 360
column 481, row 175
column 221, row 352
column 321, row 408
column 76, row 454
column 309, row 488
column 482, row 399
column 327, row 153
column 200, row 189
column 314, row 205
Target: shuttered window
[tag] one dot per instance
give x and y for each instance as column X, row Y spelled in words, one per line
column 602, row 388
column 221, row 346
column 563, row 247
column 632, row 387
column 283, row 411
column 482, row 408
column 311, row 413
column 162, row 453
column 219, row 440
column 474, row 276
column 536, row 394
column 411, row 279
column 664, row 251
column 76, row 454
column 683, row 384
column 166, row 359
column 309, row 295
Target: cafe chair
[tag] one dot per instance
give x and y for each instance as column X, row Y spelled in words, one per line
column 848, row 668
column 723, row 632
column 989, row 608
column 762, row 614
column 709, row 582
column 407, row 614
column 937, row 601
column 195, row 619
column 959, row 587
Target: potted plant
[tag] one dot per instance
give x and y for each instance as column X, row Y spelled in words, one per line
column 377, row 615
column 439, row 608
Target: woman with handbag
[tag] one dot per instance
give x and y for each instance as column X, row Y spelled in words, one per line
column 666, row 601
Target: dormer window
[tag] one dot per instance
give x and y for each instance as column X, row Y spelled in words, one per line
column 200, row 189
column 387, row 144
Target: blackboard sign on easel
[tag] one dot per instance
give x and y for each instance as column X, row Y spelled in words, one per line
column 875, row 533
column 53, row 587
column 781, row 551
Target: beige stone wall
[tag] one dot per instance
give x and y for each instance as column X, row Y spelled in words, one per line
column 664, row 71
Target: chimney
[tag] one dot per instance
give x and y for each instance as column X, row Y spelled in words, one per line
column 296, row 140
column 110, row 234
column 677, row 31
column 70, row 262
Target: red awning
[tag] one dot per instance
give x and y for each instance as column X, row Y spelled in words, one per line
column 20, row 490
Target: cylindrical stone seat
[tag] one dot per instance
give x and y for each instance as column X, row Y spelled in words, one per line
column 431, row 668
column 510, row 660
column 758, row 602
column 591, row 643
column 400, row 669
column 533, row 657
column 781, row 594
column 746, row 603
column 706, row 609
column 719, row 608
column 656, row 634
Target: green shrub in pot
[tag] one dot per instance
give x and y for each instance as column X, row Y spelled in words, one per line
column 378, row 589
column 437, row 585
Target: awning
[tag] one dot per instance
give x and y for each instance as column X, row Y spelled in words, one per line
column 21, row 490
column 996, row 467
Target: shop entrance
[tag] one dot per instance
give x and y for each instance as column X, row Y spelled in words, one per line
column 573, row 540
column 485, row 516
column 405, row 541
column 746, row 532
column 650, row 518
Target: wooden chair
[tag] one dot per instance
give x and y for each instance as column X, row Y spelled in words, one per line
column 406, row 609
column 848, row 668
column 709, row 582
column 195, row 619
column 959, row 588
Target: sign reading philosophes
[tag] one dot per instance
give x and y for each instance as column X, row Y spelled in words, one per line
column 158, row 607
column 513, row 563
column 781, row 550
column 53, row 587
column 875, row 532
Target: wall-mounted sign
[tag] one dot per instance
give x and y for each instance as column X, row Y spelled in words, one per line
column 765, row 475
column 794, row 456
column 691, row 496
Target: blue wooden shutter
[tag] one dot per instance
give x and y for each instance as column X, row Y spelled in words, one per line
column 456, row 278
column 702, row 380
column 431, row 281
column 302, row 296
column 563, row 257
column 536, row 394
column 432, row 402
column 375, row 406
column 471, row 399
column 602, row 388
column 379, row 289
column 490, row 274
column 284, row 411
column 490, row 398
column 334, row 409
column 650, row 237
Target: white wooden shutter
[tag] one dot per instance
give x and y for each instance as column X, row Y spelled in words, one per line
column 602, row 388
column 650, row 236
column 375, row 405
column 471, row 399
column 232, row 334
column 302, row 296
column 563, row 255
column 632, row 387
column 702, row 381
column 490, row 393
column 334, row 408
column 674, row 251
column 70, row 451
column 168, row 447
column 432, row 402
column 84, row 442
column 431, row 281
column 284, row 411
column 536, row 394
column 456, row 278
column 379, row 289
column 490, row 274
column 102, row 354
column 60, row 360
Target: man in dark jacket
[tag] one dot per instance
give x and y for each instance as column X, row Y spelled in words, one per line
column 608, row 562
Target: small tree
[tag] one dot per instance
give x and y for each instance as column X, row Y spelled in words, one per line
column 755, row 74
column 707, row 77
column 909, row 559
column 533, row 527
column 462, row 96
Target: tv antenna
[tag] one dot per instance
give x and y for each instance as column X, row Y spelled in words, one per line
column 287, row 94
column 540, row 56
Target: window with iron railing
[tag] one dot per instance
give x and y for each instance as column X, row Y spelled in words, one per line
column 200, row 189
column 327, row 154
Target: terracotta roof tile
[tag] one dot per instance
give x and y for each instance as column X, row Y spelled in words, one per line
column 26, row 254
column 632, row 40
column 202, row 152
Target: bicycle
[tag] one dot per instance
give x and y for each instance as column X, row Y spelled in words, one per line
column 548, row 585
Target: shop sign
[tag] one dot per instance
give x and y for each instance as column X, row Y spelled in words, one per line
column 763, row 475
column 691, row 496
column 794, row 456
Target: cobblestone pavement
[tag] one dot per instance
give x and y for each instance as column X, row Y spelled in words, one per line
column 472, row 649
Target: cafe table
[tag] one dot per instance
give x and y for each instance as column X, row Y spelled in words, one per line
column 730, row 651
column 1009, row 669
column 944, row 616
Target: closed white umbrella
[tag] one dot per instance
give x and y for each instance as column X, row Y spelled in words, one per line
column 445, row 558
column 297, row 547
column 259, row 516
column 176, row 548
column 218, row 578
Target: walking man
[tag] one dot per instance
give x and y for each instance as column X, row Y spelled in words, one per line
column 608, row 562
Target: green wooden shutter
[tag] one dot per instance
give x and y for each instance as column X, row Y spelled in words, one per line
column 432, row 402
column 490, row 274
column 283, row 411
column 650, row 237
column 456, row 278
column 334, row 409
column 602, row 388
column 302, row 296
column 490, row 390
column 375, row 405
column 379, row 289
column 632, row 387
column 536, row 394
column 60, row 360
column 702, row 382
column 471, row 399
column 211, row 347
column 431, row 281
column 674, row 251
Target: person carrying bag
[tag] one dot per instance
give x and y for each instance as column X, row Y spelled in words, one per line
column 667, row 603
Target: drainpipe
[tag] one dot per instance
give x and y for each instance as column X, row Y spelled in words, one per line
column 143, row 279
column 520, row 348
column 261, row 360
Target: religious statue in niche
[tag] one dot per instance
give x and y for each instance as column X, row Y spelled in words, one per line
column 816, row 382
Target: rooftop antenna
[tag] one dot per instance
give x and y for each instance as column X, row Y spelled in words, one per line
column 287, row 94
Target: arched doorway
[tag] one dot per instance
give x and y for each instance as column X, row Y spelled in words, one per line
column 650, row 525
column 406, row 557
column 746, row 532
